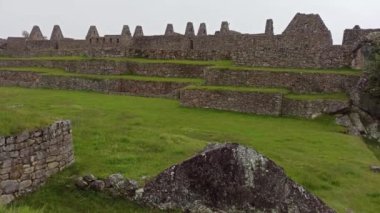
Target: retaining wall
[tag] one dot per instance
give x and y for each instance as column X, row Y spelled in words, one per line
column 248, row 102
column 120, row 86
column 311, row 108
column 259, row 103
column 295, row 81
column 106, row 67
column 29, row 158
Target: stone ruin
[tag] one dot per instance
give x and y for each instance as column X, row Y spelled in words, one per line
column 222, row 178
column 305, row 43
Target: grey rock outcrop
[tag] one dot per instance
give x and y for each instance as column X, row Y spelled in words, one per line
column 363, row 118
column 229, row 178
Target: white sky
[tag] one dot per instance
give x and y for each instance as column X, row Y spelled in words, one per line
column 247, row 16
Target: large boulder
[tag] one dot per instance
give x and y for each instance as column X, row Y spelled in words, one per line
column 229, row 178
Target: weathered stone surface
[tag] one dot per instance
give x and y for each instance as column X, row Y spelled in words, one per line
column 225, row 27
column 36, row 34
column 80, row 183
column 92, row 33
column 231, row 178
column 269, row 27
column 97, row 185
column 6, row 199
column 138, row 32
column 189, row 29
column 56, row 34
column 375, row 168
column 9, row 186
column 27, row 159
column 116, row 185
column 169, row 30
column 202, row 31
column 126, row 31
column 89, row 178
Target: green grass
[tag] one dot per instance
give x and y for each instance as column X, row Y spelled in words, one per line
column 61, row 72
column 142, row 136
column 217, row 64
column 340, row 71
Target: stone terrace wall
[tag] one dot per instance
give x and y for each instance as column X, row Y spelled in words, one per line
column 295, row 81
column 311, row 108
column 247, row 102
column 29, row 158
column 105, row 67
column 120, row 86
column 274, row 104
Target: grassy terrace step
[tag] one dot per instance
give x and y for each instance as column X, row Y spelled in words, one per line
column 218, row 64
column 61, row 72
column 285, row 92
column 340, row 71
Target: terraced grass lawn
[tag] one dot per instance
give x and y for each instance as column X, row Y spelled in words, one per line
column 217, row 64
column 61, row 72
column 142, row 136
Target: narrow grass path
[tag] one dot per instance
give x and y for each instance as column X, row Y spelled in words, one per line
column 142, row 136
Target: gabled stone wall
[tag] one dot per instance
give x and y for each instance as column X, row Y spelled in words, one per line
column 29, row 158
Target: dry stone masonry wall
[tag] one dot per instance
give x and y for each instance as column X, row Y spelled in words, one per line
column 29, row 158
column 259, row 103
column 119, row 86
column 306, row 42
column 299, row 82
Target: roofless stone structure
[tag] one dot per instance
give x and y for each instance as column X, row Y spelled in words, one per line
column 306, row 42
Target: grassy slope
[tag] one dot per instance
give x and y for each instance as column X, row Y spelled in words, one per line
column 142, row 136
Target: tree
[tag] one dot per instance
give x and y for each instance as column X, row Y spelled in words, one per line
column 25, row 34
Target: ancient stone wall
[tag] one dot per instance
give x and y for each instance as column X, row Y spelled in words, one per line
column 105, row 67
column 300, row 82
column 353, row 37
column 247, row 102
column 306, row 42
column 29, row 158
column 118, row 86
column 311, row 108
column 259, row 103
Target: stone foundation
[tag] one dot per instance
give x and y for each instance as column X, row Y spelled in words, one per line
column 29, row 158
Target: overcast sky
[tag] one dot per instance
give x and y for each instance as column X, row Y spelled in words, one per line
column 247, row 16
